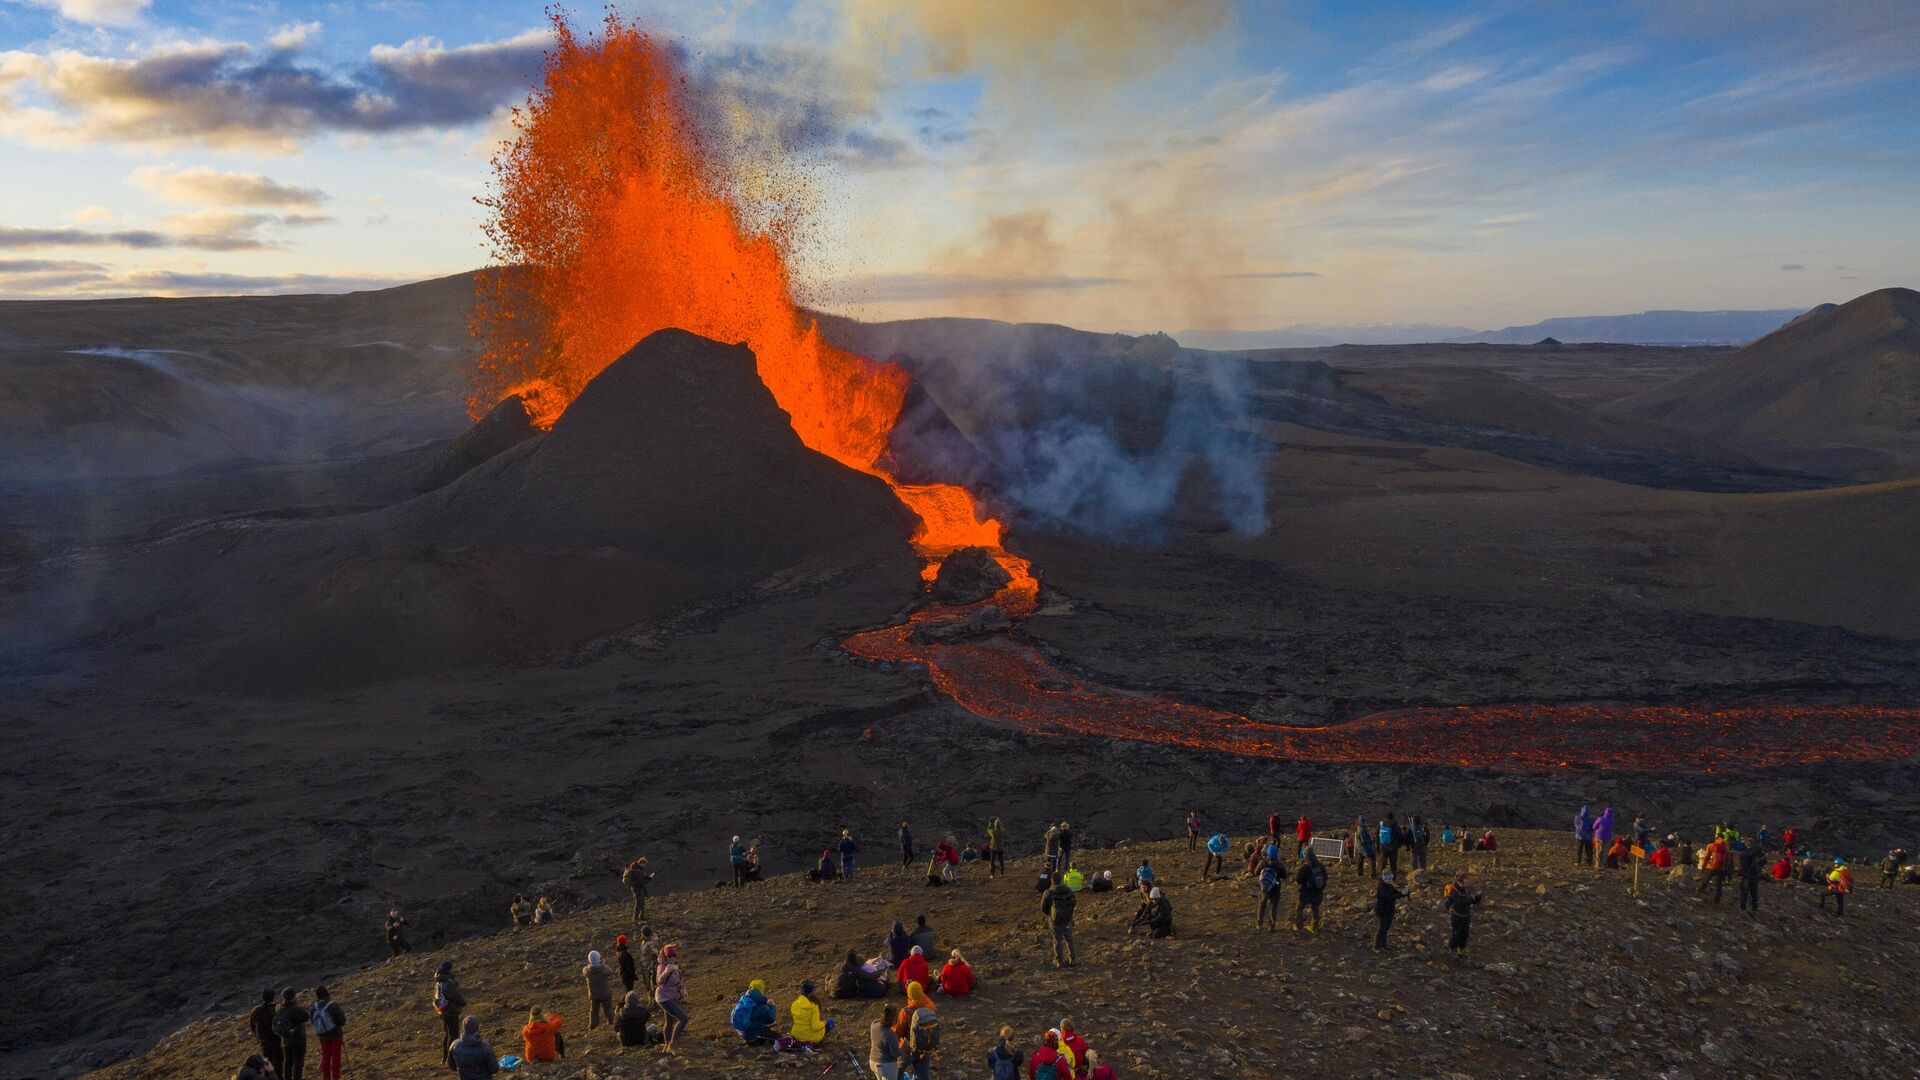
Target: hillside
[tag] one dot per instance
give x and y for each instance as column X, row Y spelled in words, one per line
column 1836, row 393
column 1567, row 975
column 1646, row 328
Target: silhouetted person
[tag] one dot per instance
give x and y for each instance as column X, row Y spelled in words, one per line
column 1386, row 897
column 449, row 1002
column 396, row 933
column 290, row 1023
column 260, row 1022
column 1057, row 906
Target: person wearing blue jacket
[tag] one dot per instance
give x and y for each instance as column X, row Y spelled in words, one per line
column 1144, row 876
column 1216, row 856
column 1390, row 843
column 847, row 848
column 1583, row 837
column 1366, row 851
column 737, row 858
column 753, row 1015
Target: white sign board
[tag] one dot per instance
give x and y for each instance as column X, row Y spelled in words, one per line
column 1327, row 847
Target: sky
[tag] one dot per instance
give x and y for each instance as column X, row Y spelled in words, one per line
column 1130, row 165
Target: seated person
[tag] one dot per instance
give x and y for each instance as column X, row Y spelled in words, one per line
column 751, row 869
column 1101, row 883
column 914, row 968
column 809, row 1028
column 753, row 1015
column 540, row 1039
column 632, row 1022
column 956, row 978
column 859, row 980
column 825, row 869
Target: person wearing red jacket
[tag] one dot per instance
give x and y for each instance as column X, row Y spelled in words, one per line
column 1097, row 1069
column 1303, row 831
column 1786, row 841
column 914, row 968
column 1047, row 1053
column 1662, row 856
column 956, row 978
column 1075, row 1044
column 1273, row 824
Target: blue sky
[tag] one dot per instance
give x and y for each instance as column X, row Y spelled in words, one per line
column 1138, row 164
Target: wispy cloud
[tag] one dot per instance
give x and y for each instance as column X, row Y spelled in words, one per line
column 1269, row 275
column 938, row 286
column 212, row 187
column 95, row 12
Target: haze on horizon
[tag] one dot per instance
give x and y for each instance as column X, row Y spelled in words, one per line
column 1156, row 164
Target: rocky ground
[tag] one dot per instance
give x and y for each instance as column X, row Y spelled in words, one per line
column 1568, row 975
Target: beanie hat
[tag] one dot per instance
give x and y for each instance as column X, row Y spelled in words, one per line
column 472, row 1026
column 806, row 988
column 758, row 984
column 593, row 958
column 621, row 940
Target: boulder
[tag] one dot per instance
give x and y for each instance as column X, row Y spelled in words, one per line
column 987, row 620
column 506, row 426
column 968, row 576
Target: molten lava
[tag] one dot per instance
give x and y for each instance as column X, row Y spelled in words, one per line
column 613, row 217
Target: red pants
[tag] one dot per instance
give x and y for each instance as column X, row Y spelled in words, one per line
column 330, row 1058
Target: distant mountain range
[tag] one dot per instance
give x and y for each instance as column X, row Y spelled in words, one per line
column 1643, row 328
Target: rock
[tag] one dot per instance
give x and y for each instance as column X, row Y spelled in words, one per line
column 1634, row 947
column 505, row 427
column 987, row 620
column 968, row 576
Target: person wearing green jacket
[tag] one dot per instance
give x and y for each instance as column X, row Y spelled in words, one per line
column 997, row 841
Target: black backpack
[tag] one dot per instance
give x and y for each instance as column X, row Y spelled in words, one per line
column 925, row 1033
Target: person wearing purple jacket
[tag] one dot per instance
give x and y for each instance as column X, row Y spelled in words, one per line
column 1602, row 834
column 1583, row 837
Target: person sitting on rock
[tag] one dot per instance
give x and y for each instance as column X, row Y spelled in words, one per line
column 858, row 980
column 923, row 935
column 936, row 870
column 809, row 1027
column 750, row 872
column 1102, row 882
column 256, row 1067
column 1074, row 879
column 1155, row 914
column 1783, row 869
column 522, row 912
column 469, row 1056
column 632, row 1025
column 899, row 943
column 1617, row 853
column 1662, row 856
column 1489, row 845
column 824, row 869
column 540, row 1037
column 543, row 912
column 914, row 968
column 753, row 1015
column 956, row 976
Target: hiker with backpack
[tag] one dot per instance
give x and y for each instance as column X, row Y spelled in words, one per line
column 635, row 877
column 540, row 1038
column 329, row 1022
column 290, row 1023
column 670, row 992
column 1389, row 833
column 1047, row 1062
column 1058, row 906
column 1268, row 917
column 1458, row 902
column 1839, row 885
column 599, row 979
column 1003, row 1060
column 448, row 1002
column 1716, row 858
column 923, row 1033
column 396, row 933
column 737, row 858
column 1417, row 839
column 260, row 1022
column 1312, row 880
column 847, row 849
column 1386, row 897
column 1217, row 846
column 469, row 1056
column 883, row 1046
column 753, row 1015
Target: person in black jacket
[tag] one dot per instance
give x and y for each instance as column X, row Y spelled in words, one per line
column 1386, row 896
column 1057, row 906
column 260, row 1022
column 1417, row 839
column 906, row 846
column 629, row 975
column 290, row 1023
column 1459, row 904
column 1753, row 862
column 1393, row 837
column 1155, row 914
column 396, row 933
column 449, row 1002
column 255, row 1068
column 1312, row 879
column 856, row 980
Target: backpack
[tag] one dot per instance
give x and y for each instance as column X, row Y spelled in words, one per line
column 322, row 1016
column 439, row 996
column 284, row 1027
column 1420, row 836
column 925, row 1033
column 1047, row 1070
column 1005, row 1066
column 1386, row 836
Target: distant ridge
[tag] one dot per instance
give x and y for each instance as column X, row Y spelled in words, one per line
column 1645, row 328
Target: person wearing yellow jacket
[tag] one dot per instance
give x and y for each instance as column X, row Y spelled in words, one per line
column 808, row 1026
column 1839, row 884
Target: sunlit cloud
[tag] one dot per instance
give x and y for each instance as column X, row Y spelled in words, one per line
column 212, row 187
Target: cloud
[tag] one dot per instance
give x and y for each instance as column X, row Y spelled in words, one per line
column 197, row 230
column 227, row 94
column 43, row 266
column 943, row 286
column 1453, row 78
column 1269, row 275
column 1509, row 219
column 95, row 12
column 1791, row 267
column 211, row 187
column 294, row 36
column 17, row 237
column 91, row 215
column 40, row 279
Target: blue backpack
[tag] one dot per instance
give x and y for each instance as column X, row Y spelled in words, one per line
column 1386, row 836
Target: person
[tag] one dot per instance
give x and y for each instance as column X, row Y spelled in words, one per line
column 449, row 1002
column 1303, row 833
column 1268, row 917
column 906, row 846
column 1489, row 845
column 1074, row 879
column 1786, row 840
column 669, row 991
column 1312, row 880
column 260, row 1022
column 1839, row 884
column 1603, row 835
column 753, row 1015
column 633, row 1021
column 1046, row 1062
column 540, row 1038
column 1003, row 1060
column 1102, row 882
column 1583, row 837
column 1069, row 1063
column 1390, row 843
column 1043, row 882
column 750, row 872
column 883, row 1046
column 809, row 1027
column 1155, row 914
column 1716, row 866
column 256, row 1067
column 1808, row 875
column 1890, row 869
column 1193, row 829
column 947, row 854
column 823, row 868
column 1051, row 848
column 1143, row 877
column 1643, row 831
column 470, row 1056
column 1753, row 858
column 971, row 854
column 1216, row 856
column 1057, row 906
column 1273, row 825
column 997, row 846
column 1417, row 839
column 522, row 912
column 1097, row 1069
column 1250, row 859
column 847, row 849
column 599, row 990
column 649, row 958
column 635, row 877
column 923, row 935
column 1458, row 902
column 1446, row 836
column 923, row 1032
column 1366, row 858
column 396, row 933
column 899, row 943
column 1662, row 857
column 1617, row 853
column 1066, row 845
column 1386, row 896
column 290, row 1023
column 543, row 912
column 956, row 976
column 629, row 973
column 329, row 1022
column 914, row 968
column 737, row 858
column 1783, row 869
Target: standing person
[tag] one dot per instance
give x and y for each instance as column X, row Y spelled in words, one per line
column 1753, row 863
column 1216, row 856
column 635, row 877
column 599, row 990
column 923, row 1032
column 330, row 1027
column 1459, row 903
column 1303, row 832
column 1066, row 846
column 1273, row 825
column 449, row 1002
column 1786, row 840
column 997, row 842
column 883, row 1046
column 669, row 991
column 1890, row 867
column 847, row 848
column 1839, row 884
column 260, row 1022
column 1603, row 833
column 1583, row 837
column 1366, row 859
column 470, row 1056
column 1716, row 859
column 737, row 858
column 1193, row 829
column 1417, row 840
column 1051, row 848
column 1268, row 917
column 1003, row 1061
column 290, row 1023
column 1312, row 879
column 1057, row 906
column 906, row 846
column 629, row 972
column 649, row 958
column 1643, row 831
column 396, row 933
column 1386, row 896
column 1390, row 843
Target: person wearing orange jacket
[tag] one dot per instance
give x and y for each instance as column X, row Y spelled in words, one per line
column 914, row 968
column 540, row 1039
column 1716, row 868
column 956, row 978
column 1839, row 884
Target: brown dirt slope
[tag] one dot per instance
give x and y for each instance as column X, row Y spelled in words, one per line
column 1836, row 393
column 1568, row 975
